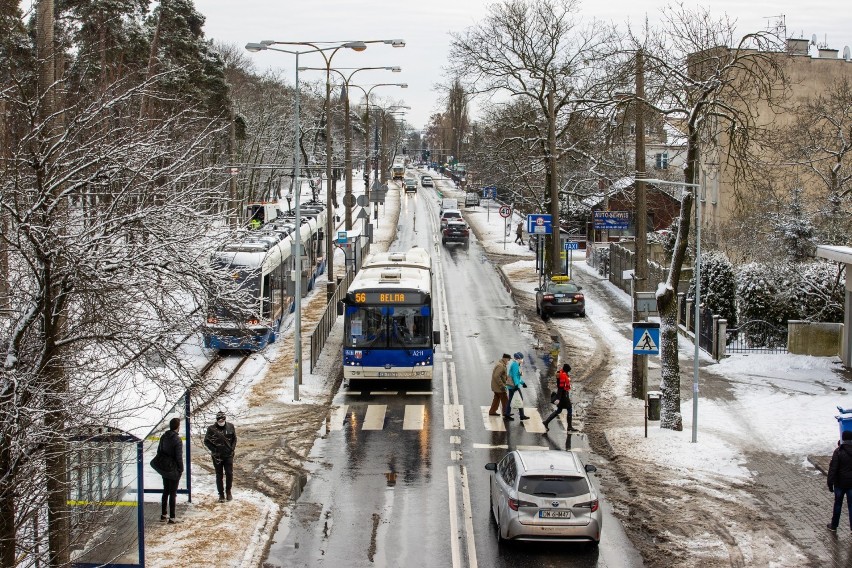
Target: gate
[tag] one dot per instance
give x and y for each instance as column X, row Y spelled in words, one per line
column 756, row 336
column 705, row 333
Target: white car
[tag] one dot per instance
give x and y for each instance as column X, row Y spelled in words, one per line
column 448, row 214
column 544, row 495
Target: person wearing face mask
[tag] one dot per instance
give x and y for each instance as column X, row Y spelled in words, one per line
column 221, row 440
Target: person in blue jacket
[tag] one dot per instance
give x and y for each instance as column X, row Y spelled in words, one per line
column 516, row 382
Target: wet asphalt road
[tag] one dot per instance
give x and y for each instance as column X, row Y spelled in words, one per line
column 398, row 478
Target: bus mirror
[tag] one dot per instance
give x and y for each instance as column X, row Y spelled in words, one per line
column 436, row 337
column 340, row 308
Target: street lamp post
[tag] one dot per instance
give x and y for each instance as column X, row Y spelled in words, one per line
column 696, row 188
column 297, row 244
column 367, row 130
column 348, row 201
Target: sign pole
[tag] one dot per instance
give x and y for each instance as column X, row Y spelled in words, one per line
column 504, row 234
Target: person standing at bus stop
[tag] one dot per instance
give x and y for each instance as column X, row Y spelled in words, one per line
column 171, row 450
column 221, row 440
column 499, row 382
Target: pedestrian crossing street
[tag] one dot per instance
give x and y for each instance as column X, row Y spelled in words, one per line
column 376, row 417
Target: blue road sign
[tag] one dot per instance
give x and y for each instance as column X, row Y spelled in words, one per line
column 646, row 338
column 341, row 237
column 615, row 220
column 489, row 192
column 572, row 245
column 538, row 224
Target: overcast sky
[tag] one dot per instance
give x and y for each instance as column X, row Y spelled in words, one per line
column 425, row 26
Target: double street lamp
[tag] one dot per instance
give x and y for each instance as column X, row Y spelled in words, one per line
column 316, row 47
column 348, row 200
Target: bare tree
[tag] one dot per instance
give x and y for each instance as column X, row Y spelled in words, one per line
column 540, row 52
column 693, row 75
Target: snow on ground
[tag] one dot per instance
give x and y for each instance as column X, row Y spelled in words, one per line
column 780, row 403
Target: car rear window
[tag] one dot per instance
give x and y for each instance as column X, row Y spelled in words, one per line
column 563, row 288
column 553, row 486
column 452, row 215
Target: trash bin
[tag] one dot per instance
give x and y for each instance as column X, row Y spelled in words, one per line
column 654, row 398
column 845, row 423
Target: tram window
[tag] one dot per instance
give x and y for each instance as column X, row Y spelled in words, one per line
column 266, row 304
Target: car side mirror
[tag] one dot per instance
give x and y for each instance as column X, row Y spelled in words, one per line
column 579, row 287
column 590, row 468
column 436, row 337
column 491, row 466
column 538, row 289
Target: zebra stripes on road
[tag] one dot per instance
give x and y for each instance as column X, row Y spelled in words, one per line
column 374, row 417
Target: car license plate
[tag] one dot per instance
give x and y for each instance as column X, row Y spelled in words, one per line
column 564, row 300
column 554, row 514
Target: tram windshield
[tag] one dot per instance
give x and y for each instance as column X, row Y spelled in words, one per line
column 391, row 327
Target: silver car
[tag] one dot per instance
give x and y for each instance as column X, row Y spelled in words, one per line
column 544, row 495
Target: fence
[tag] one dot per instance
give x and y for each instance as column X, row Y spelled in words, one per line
column 321, row 332
column 756, row 336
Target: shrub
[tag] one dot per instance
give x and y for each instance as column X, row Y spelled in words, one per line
column 718, row 286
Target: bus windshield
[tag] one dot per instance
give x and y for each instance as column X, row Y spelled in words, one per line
column 388, row 327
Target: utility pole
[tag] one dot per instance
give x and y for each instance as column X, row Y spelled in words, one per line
column 640, row 281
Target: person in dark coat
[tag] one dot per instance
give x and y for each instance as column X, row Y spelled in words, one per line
column 171, row 447
column 221, row 440
column 840, row 479
column 519, row 234
column 563, row 398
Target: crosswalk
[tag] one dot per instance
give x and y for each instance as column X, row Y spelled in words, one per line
column 416, row 417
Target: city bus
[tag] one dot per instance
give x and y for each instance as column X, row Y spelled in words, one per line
column 388, row 319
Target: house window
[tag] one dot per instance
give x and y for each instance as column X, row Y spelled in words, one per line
column 662, row 160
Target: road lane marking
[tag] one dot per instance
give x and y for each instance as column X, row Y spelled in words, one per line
column 534, row 424
column 375, row 418
column 455, row 455
column 413, row 419
column 492, row 423
column 468, row 519
column 419, row 393
column 445, row 381
column 454, row 527
column 338, row 417
column 455, row 439
column 490, row 447
column 453, row 417
column 454, row 383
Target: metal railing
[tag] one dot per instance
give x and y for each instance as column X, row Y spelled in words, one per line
column 321, row 332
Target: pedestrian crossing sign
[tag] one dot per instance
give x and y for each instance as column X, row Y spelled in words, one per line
column 646, row 338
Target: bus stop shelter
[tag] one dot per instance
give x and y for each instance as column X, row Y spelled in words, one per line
column 843, row 255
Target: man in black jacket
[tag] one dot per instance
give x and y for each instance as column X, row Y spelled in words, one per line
column 171, row 447
column 221, row 440
column 840, row 479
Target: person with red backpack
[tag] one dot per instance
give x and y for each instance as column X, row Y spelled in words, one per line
column 562, row 400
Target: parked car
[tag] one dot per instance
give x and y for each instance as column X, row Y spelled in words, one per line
column 410, row 185
column 448, row 214
column 456, row 231
column 560, row 296
column 544, row 495
column 426, row 181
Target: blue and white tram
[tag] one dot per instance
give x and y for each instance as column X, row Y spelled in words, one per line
column 388, row 319
column 260, row 263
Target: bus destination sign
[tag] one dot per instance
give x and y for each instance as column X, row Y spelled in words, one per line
column 387, row 298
